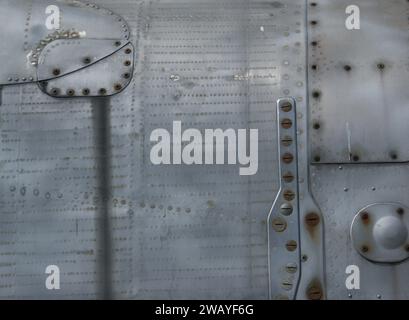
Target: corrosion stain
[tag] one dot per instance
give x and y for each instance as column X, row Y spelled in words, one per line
column 312, row 220
column 314, row 290
column 365, row 218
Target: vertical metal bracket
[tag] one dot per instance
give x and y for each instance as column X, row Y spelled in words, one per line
column 283, row 220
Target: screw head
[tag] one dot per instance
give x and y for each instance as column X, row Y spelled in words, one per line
column 291, row 245
column 286, row 106
column 286, row 123
column 279, row 224
column 287, row 141
column 288, row 177
column 286, row 209
column 312, row 219
column 314, row 293
column 288, row 158
column 289, row 195
column 291, row 268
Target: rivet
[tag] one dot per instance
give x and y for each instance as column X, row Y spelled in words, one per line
column 317, row 158
column 400, row 211
column 55, row 91
column 314, row 67
column 117, row 87
column 117, row 43
column 316, row 94
column 365, row 217
column 102, row 91
column 347, row 68
column 381, row 66
column 291, row 245
column 314, row 43
column 127, row 63
column 70, row 92
column 85, row 91
column 56, row 72
column 128, row 51
column 316, row 126
column 355, row 158
column 87, row 60
column 364, row 248
column 126, row 75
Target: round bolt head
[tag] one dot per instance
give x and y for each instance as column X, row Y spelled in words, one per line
column 288, row 158
column 312, row 219
column 287, row 141
column 288, row 177
column 279, row 224
column 286, row 106
column 314, row 293
column 287, row 285
column 291, row 268
column 286, row 123
column 289, row 195
column 291, row 245
column 286, row 209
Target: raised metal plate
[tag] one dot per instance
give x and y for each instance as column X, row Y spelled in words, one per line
column 380, row 231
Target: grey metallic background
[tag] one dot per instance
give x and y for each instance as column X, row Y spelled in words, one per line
column 180, row 232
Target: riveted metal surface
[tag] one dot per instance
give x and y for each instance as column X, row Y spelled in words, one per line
column 202, row 231
column 379, row 232
column 70, row 55
column 178, row 231
column 284, row 243
column 358, row 88
column 24, row 32
column 106, row 77
column 356, row 187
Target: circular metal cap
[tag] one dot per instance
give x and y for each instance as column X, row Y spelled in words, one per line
column 380, row 232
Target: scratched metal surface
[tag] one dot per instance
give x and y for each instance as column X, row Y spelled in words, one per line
column 177, row 231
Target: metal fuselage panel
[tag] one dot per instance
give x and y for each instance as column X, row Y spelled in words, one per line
column 202, row 231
